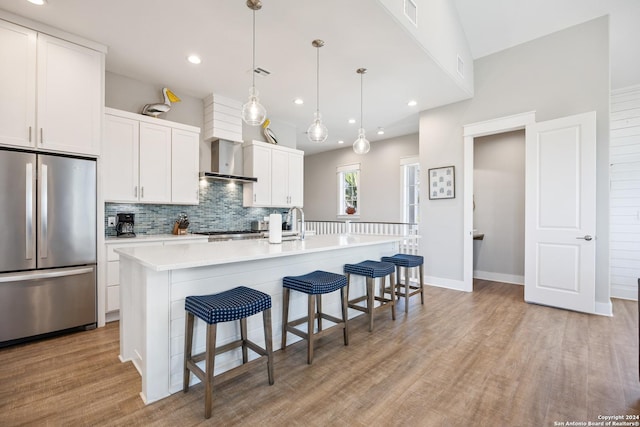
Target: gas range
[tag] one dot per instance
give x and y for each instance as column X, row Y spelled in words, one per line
column 218, row 236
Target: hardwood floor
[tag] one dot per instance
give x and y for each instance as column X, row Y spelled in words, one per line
column 484, row 358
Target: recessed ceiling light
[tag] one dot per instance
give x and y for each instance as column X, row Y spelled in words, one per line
column 194, row 59
column 37, row 2
column 412, row 103
column 380, row 131
column 352, row 121
column 298, row 101
column 341, row 142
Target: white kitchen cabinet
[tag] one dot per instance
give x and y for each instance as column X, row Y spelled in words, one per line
column 52, row 92
column 148, row 160
column 155, row 163
column 257, row 164
column 120, row 156
column 280, row 173
column 17, row 85
column 185, row 164
column 112, row 289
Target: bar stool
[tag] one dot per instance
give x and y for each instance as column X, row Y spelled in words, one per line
column 234, row 304
column 314, row 284
column 372, row 269
column 407, row 261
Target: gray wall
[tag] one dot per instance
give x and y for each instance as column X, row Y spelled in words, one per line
column 498, row 192
column 562, row 74
column 380, row 196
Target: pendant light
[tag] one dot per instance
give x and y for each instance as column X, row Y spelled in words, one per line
column 253, row 113
column 361, row 145
column 317, row 132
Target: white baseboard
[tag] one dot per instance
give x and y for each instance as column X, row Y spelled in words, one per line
column 604, row 308
column 624, row 293
column 112, row 316
column 441, row 282
column 498, row 277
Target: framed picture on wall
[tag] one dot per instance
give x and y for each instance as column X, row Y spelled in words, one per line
column 442, row 183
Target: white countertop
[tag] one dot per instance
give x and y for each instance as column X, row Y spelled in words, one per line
column 154, row 238
column 179, row 256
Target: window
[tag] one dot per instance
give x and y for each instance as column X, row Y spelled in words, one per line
column 348, row 189
column 410, row 168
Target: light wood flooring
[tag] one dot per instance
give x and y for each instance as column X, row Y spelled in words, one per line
column 484, row 359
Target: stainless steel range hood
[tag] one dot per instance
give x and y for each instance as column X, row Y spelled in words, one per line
column 226, row 162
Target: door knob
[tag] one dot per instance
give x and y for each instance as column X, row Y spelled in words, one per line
column 587, row 238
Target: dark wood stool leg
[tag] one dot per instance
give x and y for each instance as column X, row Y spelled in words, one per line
column 188, row 343
column 285, row 316
column 243, row 336
column 209, row 367
column 266, row 321
column 310, row 317
column 319, row 304
column 407, row 288
column 370, row 299
column 344, row 296
column 393, row 297
column 422, row 283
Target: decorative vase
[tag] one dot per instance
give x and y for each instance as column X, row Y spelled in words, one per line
column 350, row 210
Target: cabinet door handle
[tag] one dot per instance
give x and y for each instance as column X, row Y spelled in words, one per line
column 587, row 238
column 29, row 133
column 41, row 136
column 254, row 197
column 135, row 191
column 142, row 192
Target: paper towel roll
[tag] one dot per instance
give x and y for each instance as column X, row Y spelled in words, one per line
column 275, row 228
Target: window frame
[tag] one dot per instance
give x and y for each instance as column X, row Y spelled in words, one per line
column 341, row 202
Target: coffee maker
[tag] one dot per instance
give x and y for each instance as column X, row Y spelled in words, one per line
column 124, row 225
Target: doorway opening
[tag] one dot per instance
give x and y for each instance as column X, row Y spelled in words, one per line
column 472, row 131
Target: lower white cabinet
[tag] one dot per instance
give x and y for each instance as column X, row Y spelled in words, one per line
column 280, row 173
column 112, row 297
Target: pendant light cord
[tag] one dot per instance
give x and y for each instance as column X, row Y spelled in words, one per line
column 253, row 68
column 361, row 76
column 318, row 80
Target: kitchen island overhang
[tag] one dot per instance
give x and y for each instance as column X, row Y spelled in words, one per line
column 154, row 281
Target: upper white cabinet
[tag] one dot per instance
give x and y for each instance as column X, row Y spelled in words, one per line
column 280, row 173
column 52, row 92
column 185, row 163
column 149, row 160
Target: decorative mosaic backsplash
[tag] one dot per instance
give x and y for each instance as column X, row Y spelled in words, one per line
column 220, row 209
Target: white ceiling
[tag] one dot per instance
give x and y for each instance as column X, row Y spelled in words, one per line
column 148, row 40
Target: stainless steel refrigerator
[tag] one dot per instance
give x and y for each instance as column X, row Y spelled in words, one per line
column 47, row 244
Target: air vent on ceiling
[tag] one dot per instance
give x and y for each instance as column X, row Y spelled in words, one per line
column 460, row 67
column 261, row 71
column 411, row 11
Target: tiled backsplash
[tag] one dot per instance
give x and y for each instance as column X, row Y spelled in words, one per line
column 220, row 209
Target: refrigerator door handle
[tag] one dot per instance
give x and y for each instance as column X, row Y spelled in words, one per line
column 44, row 196
column 48, row 274
column 29, row 211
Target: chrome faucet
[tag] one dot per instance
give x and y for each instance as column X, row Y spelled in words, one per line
column 291, row 210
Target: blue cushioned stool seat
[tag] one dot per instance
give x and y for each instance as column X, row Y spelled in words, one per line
column 372, row 270
column 314, row 284
column 234, row 304
column 227, row 306
column 317, row 282
column 407, row 289
column 404, row 260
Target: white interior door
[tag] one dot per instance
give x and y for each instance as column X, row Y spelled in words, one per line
column 561, row 213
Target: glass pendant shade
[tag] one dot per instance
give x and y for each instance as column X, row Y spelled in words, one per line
column 361, row 145
column 253, row 113
column 317, row 132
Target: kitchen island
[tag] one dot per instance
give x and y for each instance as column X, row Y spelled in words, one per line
column 154, row 281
